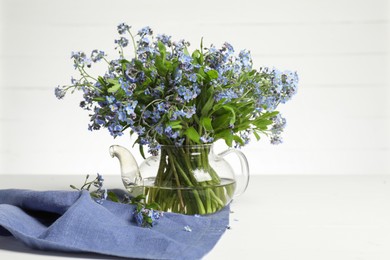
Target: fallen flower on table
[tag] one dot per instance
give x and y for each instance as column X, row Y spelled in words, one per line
column 187, row 228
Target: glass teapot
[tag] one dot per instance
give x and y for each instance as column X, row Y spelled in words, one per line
column 186, row 179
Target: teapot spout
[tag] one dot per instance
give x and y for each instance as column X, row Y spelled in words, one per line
column 131, row 176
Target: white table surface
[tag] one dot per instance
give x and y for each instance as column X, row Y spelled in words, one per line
column 278, row 218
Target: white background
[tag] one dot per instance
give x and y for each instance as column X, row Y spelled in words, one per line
column 338, row 123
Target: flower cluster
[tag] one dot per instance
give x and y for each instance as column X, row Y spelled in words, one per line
column 100, row 194
column 167, row 95
column 147, row 217
column 145, row 214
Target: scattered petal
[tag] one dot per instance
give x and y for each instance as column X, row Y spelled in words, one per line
column 187, row 228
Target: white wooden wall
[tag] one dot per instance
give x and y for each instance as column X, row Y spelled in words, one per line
column 339, row 123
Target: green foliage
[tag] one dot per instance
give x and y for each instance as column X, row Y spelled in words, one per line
column 181, row 97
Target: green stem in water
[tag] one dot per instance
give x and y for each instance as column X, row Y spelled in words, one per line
column 177, row 181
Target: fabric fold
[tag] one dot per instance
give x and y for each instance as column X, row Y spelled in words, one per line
column 70, row 221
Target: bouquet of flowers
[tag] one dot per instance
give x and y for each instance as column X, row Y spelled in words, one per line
column 168, row 95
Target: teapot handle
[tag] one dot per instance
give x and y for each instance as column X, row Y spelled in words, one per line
column 243, row 178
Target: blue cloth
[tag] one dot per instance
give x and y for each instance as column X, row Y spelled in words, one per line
column 70, row 221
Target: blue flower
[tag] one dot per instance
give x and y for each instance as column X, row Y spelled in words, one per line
column 147, row 217
column 245, row 59
column 165, row 39
column 144, row 141
column 270, row 103
column 227, row 47
column 290, row 85
column 177, row 114
column 276, row 139
column 188, row 94
column 178, row 75
column 80, row 59
column 74, row 81
column 212, row 49
column 161, row 107
column 205, row 139
column 140, row 130
column 170, row 133
column 279, row 123
column 140, row 76
column 144, row 31
column 193, row 77
column 130, row 107
column 145, row 41
column 139, row 218
column 227, row 95
column 245, row 136
column 147, row 114
column 115, row 129
column 159, row 129
column 128, row 88
column 113, row 107
column 123, row 28
column 154, row 147
column 129, row 78
column 98, row 183
column 103, row 196
column 122, row 42
column 185, row 59
column 59, row 92
column 99, row 121
column 97, row 55
column 110, row 99
column 190, row 111
column 122, row 116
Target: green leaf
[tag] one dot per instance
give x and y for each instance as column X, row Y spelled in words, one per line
column 227, row 135
column 124, row 61
column 208, row 106
column 112, row 81
column 112, row 196
column 138, row 64
column 141, row 151
column 159, row 63
column 262, row 123
column 196, row 54
column 162, row 49
column 231, row 110
column 269, row 114
column 73, row 187
column 206, row 123
column 193, row 135
column 175, row 124
column 213, row 74
column 99, row 99
column 229, row 140
column 238, row 140
column 153, row 205
column 138, row 199
column 115, row 85
column 256, row 135
column 221, row 121
column 102, row 81
column 114, row 88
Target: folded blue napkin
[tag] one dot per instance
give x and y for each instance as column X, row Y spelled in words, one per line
column 70, row 221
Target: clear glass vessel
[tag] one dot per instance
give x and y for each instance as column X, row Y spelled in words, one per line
column 187, row 179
